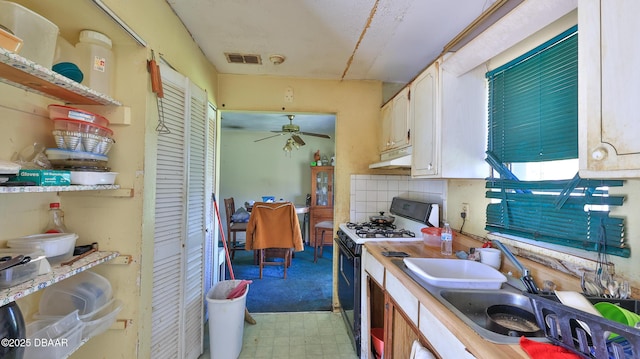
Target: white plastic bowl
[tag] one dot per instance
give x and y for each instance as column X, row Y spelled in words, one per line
column 93, row 178
column 56, row 246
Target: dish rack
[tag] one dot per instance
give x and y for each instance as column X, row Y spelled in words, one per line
column 556, row 318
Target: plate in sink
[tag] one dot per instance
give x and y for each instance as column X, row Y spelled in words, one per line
column 456, row 273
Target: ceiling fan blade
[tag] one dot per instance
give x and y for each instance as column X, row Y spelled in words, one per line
column 298, row 140
column 321, row 135
column 268, row 137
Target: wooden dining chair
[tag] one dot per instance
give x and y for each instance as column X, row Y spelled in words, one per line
column 274, row 232
column 322, row 227
column 233, row 228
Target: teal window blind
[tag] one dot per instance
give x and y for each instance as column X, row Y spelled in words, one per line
column 533, row 103
column 533, row 117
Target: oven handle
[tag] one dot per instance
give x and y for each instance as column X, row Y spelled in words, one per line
column 345, row 250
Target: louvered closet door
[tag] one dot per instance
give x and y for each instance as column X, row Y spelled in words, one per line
column 197, row 200
column 178, row 297
column 211, row 266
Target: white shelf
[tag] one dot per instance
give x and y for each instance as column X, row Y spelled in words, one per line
column 57, row 274
column 17, row 71
column 72, row 188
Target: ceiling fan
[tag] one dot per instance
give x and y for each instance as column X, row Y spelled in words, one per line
column 294, row 131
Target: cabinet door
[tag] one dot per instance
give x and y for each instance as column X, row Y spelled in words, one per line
column 400, row 120
column 424, row 118
column 399, row 331
column 386, row 114
column 609, row 92
column 322, row 186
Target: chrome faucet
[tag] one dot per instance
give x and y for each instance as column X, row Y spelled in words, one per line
column 527, row 279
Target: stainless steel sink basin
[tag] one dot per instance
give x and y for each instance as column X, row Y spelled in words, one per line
column 470, row 305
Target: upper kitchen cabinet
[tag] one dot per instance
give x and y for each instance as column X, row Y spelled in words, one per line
column 608, row 90
column 424, row 112
column 395, row 122
column 448, row 116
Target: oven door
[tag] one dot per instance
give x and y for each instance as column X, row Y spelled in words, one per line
column 349, row 291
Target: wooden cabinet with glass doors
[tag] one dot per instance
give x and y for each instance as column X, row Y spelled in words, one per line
column 321, row 199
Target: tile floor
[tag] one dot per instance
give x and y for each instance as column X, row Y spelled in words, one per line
column 317, row 335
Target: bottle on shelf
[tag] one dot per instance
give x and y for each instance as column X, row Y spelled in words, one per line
column 56, row 219
column 446, row 240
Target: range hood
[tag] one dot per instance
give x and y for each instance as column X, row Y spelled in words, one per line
column 400, row 158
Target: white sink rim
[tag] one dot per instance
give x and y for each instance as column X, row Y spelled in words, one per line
column 456, row 273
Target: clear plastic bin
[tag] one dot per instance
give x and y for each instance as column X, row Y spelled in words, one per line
column 98, row 322
column 38, row 34
column 49, row 340
column 94, row 323
column 22, row 272
column 86, row 292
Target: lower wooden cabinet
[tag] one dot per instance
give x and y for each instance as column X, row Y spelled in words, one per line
column 399, row 331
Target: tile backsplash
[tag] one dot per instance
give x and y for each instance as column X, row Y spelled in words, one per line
column 371, row 194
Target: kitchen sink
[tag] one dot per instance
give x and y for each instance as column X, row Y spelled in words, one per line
column 470, row 305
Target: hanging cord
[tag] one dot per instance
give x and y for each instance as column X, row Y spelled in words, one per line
column 156, row 87
column 603, row 275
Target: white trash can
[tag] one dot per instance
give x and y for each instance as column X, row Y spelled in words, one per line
column 226, row 320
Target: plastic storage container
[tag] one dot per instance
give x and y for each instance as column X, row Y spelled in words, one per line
column 44, row 334
column 22, row 272
column 101, row 320
column 89, row 178
column 431, row 236
column 96, row 60
column 86, row 291
column 38, row 34
column 10, row 42
column 56, row 246
column 72, row 113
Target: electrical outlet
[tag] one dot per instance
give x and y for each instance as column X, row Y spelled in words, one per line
column 465, row 210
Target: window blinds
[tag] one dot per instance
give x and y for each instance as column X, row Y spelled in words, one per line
column 533, row 103
column 533, row 117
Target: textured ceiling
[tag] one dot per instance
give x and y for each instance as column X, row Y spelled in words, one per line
column 386, row 40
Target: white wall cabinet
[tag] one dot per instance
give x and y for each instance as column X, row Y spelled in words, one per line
column 395, row 122
column 608, row 89
column 448, row 115
column 425, row 108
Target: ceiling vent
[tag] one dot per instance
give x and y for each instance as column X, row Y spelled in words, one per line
column 236, row 58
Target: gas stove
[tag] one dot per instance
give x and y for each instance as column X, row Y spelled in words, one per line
column 378, row 230
column 410, row 218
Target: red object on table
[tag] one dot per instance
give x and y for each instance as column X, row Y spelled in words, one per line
column 537, row 350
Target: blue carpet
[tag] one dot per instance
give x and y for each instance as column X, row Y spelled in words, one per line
column 308, row 286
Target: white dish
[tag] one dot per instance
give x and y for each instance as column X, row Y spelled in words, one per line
column 578, row 301
column 56, row 246
column 456, row 273
column 93, row 178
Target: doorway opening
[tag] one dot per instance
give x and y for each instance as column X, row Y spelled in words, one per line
column 254, row 163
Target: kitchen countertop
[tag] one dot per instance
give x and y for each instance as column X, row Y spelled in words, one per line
column 474, row 343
